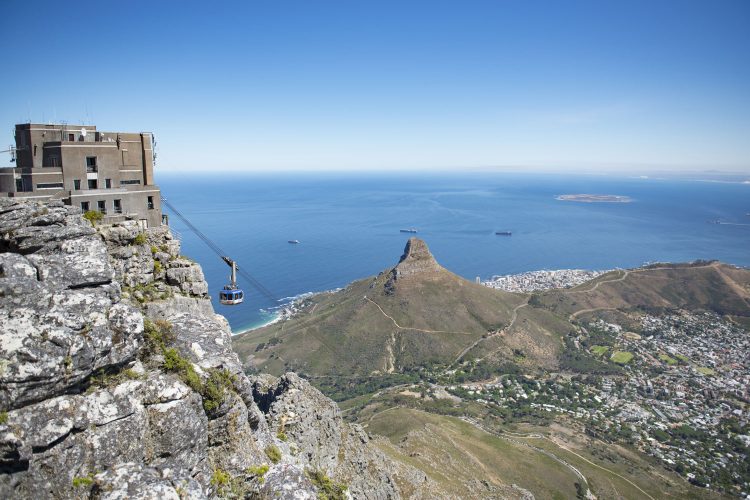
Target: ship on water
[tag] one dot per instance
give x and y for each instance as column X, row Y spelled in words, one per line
column 410, row 230
column 293, row 242
column 503, row 233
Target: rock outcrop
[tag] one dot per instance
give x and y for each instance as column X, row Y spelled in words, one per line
column 416, row 261
column 118, row 380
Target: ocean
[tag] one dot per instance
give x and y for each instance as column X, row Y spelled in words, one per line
column 348, row 226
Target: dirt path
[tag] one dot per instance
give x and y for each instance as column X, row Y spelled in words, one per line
column 514, row 440
column 508, row 435
column 627, row 272
column 738, row 289
column 513, row 317
column 584, row 311
column 631, row 483
column 596, row 285
column 410, row 327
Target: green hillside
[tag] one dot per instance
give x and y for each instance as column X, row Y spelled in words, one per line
column 412, row 315
column 418, row 314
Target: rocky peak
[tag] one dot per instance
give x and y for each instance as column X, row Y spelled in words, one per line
column 416, row 259
column 416, row 262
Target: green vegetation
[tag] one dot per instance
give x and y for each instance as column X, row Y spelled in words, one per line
column 220, row 478
column 668, row 359
column 682, row 358
column 106, row 378
column 228, row 486
column 599, row 350
column 705, row 370
column 175, row 362
column 146, row 293
column 580, row 361
column 622, row 357
column 327, row 488
column 83, row 481
column 159, row 335
column 140, row 239
column 154, row 250
column 158, row 268
column 281, row 435
column 215, row 388
column 93, row 216
column 273, row 453
column 342, row 389
column 258, row 471
column 3, row 417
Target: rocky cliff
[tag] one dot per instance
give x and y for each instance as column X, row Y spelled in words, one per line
column 117, row 380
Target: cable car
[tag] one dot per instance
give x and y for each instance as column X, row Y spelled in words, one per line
column 231, row 295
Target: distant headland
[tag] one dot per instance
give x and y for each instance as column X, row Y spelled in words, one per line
column 595, row 198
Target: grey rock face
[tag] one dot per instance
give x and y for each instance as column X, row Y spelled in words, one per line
column 318, row 438
column 93, row 409
column 132, row 481
column 287, row 482
column 63, row 247
column 60, row 315
column 416, row 259
column 55, row 444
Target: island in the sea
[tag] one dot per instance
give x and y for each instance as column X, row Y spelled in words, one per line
column 595, row 198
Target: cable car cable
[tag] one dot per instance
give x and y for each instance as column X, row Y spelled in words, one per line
column 221, row 253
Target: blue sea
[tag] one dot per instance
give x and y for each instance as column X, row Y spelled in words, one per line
column 348, row 226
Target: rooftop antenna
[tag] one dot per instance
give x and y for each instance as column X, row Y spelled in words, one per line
column 12, row 150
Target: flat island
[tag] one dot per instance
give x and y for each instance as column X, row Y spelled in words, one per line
column 595, row 198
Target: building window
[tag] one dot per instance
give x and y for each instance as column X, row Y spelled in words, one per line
column 101, row 205
column 85, row 206
column 108, row 183
column 91, row 164
column 118, row 206
column 77, row 184
column 49, row 185
column 130, row 181
column 34, row 149
column 150, row 202
column 19, row 185
column 54, row 161
column 92, row 183
column 71, row 137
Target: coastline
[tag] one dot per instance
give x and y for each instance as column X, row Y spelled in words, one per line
column 285, row 311
column 275, row 319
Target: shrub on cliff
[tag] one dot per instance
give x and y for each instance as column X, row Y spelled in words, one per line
column 93, row 216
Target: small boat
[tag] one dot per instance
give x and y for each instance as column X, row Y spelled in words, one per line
column 410, row 230
column 293, row 242
column 503, row 233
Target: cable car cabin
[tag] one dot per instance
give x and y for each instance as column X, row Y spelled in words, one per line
column 231, row 296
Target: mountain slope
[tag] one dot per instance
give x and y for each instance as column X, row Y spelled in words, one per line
column 418, row 314
column 414, row 314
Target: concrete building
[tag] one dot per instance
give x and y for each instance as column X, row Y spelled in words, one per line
column 112, row 172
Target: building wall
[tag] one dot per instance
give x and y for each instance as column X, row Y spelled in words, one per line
column 51, row 158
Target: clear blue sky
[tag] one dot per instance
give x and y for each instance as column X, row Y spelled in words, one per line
column 391, row 84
